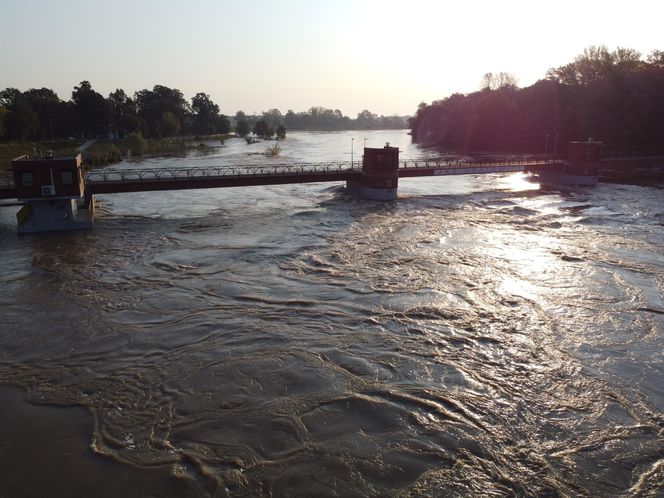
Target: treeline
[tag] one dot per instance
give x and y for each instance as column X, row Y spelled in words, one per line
column 39, row 114
column 323, row 119
column 320, row 118
column 616, row 97
column 315, row 119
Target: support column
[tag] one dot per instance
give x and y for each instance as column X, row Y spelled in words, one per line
column 380, row 174
column 582, row 166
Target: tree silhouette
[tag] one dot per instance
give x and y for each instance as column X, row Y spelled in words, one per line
column 91, row 110
column 242, row 128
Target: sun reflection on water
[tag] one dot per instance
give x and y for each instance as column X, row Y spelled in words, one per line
column 529, row 262
column 518, row 182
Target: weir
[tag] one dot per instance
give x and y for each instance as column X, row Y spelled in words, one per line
column 58, row 195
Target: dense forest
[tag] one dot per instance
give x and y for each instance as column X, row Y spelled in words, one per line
column 616, row 97
column 39, row 114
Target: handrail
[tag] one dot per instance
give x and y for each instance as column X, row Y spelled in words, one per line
column 192, row 173
column 152, row 174
column 653, row 157
column 443, row 163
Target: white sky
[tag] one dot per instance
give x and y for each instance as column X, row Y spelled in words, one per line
column 385, row 56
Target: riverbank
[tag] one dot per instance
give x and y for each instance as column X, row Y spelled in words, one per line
column 103, row 153
column 12, row 150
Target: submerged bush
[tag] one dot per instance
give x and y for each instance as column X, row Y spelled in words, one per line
column 101, row 154
column 273, row 151
column 135, row 143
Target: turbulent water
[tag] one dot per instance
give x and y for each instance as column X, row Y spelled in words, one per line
column 479, row 336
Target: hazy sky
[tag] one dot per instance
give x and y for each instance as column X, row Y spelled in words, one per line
column 385, row 56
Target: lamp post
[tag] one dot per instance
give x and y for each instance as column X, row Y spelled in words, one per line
column 555, row 145
column 352, row 141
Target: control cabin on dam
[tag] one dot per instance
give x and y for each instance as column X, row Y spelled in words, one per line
column 581, row 167
column 54, row 193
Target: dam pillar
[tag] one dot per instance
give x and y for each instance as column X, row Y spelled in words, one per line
column 583, row 160
column 580, row 168
column 380, row 174
column 53, row 191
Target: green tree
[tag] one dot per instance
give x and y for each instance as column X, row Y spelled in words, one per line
column 281, row 132
column 261, row 128
column 242, row 128
column 152, row 104
column 223, row 124
column 53, row 113
column 365, row 120
column 22, row 122
column 123, row 113
column 495, row 81
column 90, row 109
column 291, row 119
column 273, row 117
column 205, row 113
column 613, row 96
column 656, row 58
column 269, row 131
column 3, row 117
column 135, row 143
column 8, row 96
column 170, row 125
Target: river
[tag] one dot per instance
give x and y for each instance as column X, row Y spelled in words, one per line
column 480, row 336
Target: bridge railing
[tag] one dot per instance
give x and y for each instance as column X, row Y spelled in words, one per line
column 163, row 174
column 609, row 155
column 446, row 163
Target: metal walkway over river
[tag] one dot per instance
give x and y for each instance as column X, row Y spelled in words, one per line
column 107, row 181
column 117, row 180
column 58, row 194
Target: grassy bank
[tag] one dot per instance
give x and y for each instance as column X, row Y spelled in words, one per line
column 12, row 150
column 181, row 144
column 101, row 153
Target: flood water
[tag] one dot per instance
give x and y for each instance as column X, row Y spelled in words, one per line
column 479, row 336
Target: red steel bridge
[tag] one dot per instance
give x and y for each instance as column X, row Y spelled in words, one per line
column 116, row 180
column 59, row 195
column 134, row 180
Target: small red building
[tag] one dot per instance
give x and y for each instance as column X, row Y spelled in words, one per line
column 583, row 158
column 380, row 167
column 380, row 174
column 54, row 194
column 48, row 178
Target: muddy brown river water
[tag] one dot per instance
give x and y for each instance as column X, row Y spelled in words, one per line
column 480, row 336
